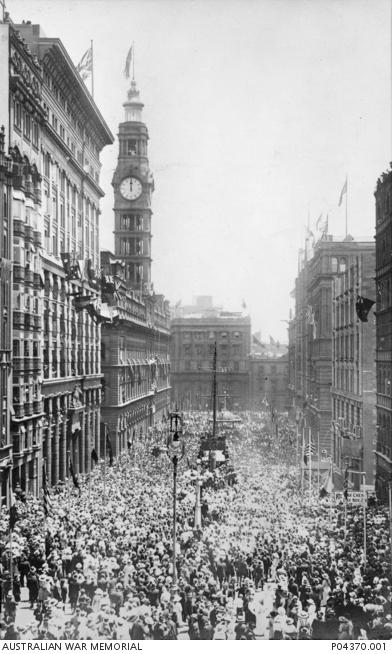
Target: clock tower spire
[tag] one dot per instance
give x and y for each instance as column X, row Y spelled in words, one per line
column 133, row 185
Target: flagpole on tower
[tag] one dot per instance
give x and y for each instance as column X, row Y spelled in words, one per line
column 92, row 69
column 133, row 61
column 346, row 203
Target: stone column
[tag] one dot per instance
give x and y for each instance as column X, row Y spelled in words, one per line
column 55, row 443
column 49, row 443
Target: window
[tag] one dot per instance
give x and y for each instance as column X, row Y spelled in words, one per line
column 47, row 234
column 27, row 126
column 334, row 264
column 47, row 165
column 17, row 115
column 35, row 138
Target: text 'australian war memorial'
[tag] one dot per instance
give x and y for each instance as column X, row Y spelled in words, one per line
column 168, row 469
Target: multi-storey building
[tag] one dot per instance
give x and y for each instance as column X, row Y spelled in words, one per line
column 354, row 371
column 55, row 135
column 268, row 382
column 313, row 332
column 383, row 197
column 135, row 359
column 135, row 348
column 193, row 343
column 7, row 171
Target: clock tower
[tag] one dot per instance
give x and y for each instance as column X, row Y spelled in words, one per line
column 133, row 185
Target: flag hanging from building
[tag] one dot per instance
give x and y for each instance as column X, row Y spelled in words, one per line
column 74, row 477
column 14, row 517
column 109, row 446
column 362, row 307
column 45, row 487
column 94, row 455
column 309, row 450
column 327, row 487
column 343, row 192
column 128, row 62
column 345, row 485
column 85, row 65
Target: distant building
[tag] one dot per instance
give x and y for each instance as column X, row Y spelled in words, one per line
column 192, row 350
column 354, row 372
column 383, row 296
column 268, row 382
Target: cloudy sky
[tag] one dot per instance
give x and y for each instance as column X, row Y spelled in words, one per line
column 257, row 110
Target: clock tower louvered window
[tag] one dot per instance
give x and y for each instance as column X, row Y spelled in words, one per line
column 133, row 185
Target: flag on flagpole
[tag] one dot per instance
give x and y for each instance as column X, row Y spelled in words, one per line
column 327, row 487
column 362, row 307
column 14, row 517
column 343, row 192
column 46, row 494
column 128, row 62
column 85, row 65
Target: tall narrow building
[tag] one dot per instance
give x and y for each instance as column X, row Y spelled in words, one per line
column 133, row 185
column 135, row 345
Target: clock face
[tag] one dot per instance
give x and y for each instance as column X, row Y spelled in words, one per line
column 131, row 188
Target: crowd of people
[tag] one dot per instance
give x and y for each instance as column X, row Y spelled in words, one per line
column 264, row 563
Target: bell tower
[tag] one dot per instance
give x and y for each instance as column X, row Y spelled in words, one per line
column 133, row 185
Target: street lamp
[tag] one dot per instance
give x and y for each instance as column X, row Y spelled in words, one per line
column 199, row 480
column 175, row 450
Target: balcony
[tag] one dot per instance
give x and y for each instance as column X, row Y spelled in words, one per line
column 18, row 320
column 18, row 364
column 38, row 406
column 5, row 453
column 19, row 410
column 37, row 238
column 29, row 321
column 29, row 233
column 19, row 228
column 29, row 276
column 28, row 407
column 19, row 274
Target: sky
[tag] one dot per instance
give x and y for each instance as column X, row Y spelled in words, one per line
column 257, row 110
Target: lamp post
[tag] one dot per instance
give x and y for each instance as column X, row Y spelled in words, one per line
column 197, row 523
column 175, row 450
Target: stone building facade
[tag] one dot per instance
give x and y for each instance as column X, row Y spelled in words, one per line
column 383, row 195
column 55, row 135
column 192, row 351
column 135, row 352
column 353, row 371
column 135, row 347
column 311, row 354
column 268, row 382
